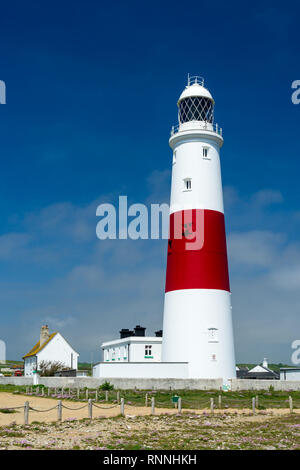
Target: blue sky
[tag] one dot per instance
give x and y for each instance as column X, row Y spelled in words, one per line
column 91, row 96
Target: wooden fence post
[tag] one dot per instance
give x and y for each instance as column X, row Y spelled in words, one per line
column 212, row 405
column 118, row 396
column 78, row 393
column 106, row 395
column 43, row 392
column 146, row 400
column 291, row 404
column 87, row 394
column 153, row 406
column 90, row 407
column 122, row 407
column 26, row 412
column 59, row 410
column 256, row 401
column 55, row 391
column 220, row 401
column 27, row 390
column 37, row 391
column 179, row 405
column 253, row 405
column 96, row 394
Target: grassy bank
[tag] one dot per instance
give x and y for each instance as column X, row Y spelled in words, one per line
column 191, row 399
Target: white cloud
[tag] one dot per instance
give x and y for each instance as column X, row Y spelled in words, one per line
column 255, row 248
column 267, row 197
column 12, row 245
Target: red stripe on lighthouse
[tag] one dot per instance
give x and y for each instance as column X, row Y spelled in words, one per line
column 198, row 259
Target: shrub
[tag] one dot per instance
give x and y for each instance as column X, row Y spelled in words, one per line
column 48, row 368
column 106, row 386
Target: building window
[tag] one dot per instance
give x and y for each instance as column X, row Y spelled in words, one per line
column 148, row 350
column 174, row 157
column 213, row 335
column 205, row 152
column 187, row 184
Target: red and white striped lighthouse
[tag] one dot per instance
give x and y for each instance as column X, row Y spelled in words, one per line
column 197, row 311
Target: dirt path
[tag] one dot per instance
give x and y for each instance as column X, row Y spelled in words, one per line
column 11, row 400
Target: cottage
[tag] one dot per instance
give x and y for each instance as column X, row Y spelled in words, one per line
column 260, row 372
column 51, row 347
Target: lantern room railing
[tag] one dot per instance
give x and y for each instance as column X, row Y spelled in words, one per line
column 197, row 125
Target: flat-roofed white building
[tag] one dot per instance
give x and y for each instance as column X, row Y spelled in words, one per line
column 290, row 373
column 133, row 348
column 127, row 356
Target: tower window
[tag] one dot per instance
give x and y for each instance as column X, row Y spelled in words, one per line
column 148, row 350
column 174, row 157
column 187, row 184
column 213, row 335
column 205, row 152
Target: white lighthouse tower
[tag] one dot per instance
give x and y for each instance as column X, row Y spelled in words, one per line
column 197, row 312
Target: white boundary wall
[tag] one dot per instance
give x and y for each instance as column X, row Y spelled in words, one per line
column 138, row 370
column 119, row 383
column 278, row 385
column 155, row 384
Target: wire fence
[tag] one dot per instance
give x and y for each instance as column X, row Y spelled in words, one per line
column 164, row 399
column 180, row 403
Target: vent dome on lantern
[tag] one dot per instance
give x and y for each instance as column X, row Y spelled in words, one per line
column 195, row 90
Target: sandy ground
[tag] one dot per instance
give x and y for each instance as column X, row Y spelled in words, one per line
column 10, row 400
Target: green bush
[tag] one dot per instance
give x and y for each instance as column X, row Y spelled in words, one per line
column 106, row 386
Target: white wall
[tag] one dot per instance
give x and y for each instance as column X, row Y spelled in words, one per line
column 29, row 365
column 59, row 350
column 137, row 352
column 141, row 370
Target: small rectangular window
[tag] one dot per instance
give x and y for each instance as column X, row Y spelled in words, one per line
column 148, row 350
column 187, row 184
column 205, row 152
column 213, row 335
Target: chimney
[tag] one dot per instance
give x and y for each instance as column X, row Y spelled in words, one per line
column 139, row 330
column 125, row 333
column 44, row 335
column 265, row 363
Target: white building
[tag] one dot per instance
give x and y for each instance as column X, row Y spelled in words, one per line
column 290, row 373
column 136, row 347
column 51, row 347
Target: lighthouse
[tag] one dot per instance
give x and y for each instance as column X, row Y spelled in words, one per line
column 197, row 325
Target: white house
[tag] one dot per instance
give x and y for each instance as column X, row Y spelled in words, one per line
column 133, row 346
column 51, row 347
column 129, row 354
